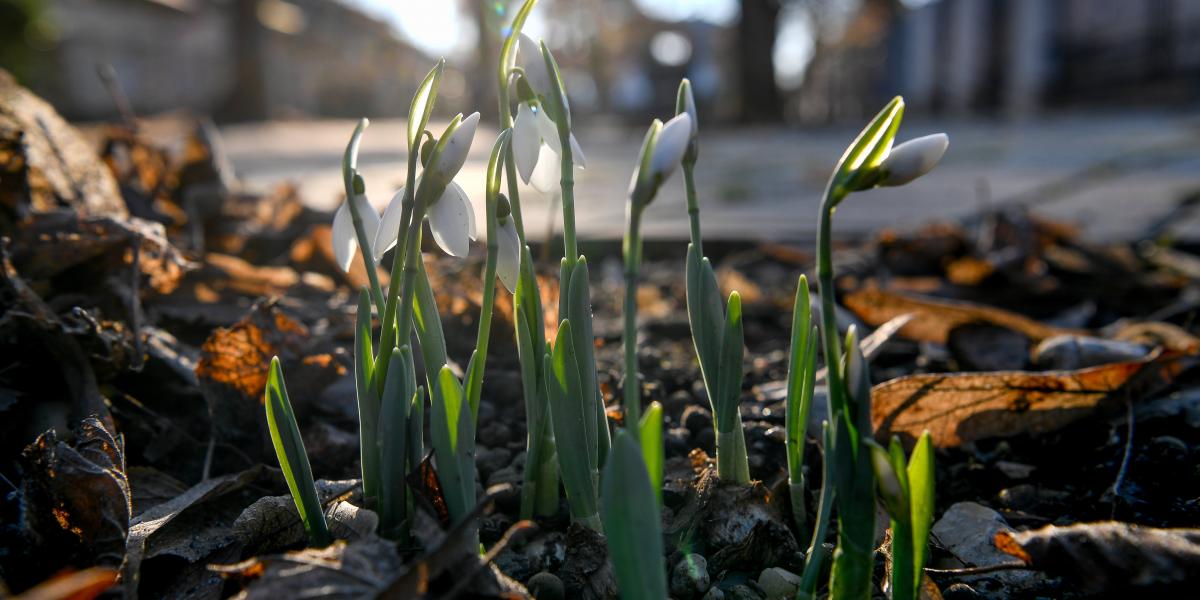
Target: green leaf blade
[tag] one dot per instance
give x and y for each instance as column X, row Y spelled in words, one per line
column 289, row 449
column 632, row 524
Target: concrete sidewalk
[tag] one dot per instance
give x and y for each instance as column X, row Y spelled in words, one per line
column 765, row 184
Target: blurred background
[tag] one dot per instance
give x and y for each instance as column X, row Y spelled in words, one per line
column 1084, row 104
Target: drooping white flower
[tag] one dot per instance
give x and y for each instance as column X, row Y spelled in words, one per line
column 345, row 239
column 671, row 144
column 508, row 259
column 451, row 221
column 913, row 159
column 533, row 131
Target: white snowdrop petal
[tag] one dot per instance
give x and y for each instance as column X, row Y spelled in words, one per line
column 672, row 143
column 454, row 154
column 389, row 225
column 449, row 223
column 466, row 200
column 548, row 172
column 913, row 159
column 370, row 218
column 577, row 153
column 548, row 129
column 529, row 56
column 508, row 260
column 525, row 141
column 344, row 242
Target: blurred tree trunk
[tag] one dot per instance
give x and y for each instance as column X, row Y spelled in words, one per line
column 483, row 79
column 248, row 99
column 761, row 100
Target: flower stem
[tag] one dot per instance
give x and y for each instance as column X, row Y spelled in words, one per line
column 632, row 251
column 693, row 207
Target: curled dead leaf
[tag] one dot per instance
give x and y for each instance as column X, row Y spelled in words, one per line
column 960, row 408
column 1111, row 557
column 934, row 318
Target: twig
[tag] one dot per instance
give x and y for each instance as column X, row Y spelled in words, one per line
column 108, row 76
column 980, row 570
column 1119, row 482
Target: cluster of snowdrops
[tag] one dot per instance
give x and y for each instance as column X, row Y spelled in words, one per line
column 612, row 480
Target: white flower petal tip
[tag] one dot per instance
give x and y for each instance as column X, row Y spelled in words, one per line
column 450, row 222
column 671, row 144
column 345, row 238
column 529, row 56
column 389, row 225
column 454, row 155
column 577, row 156
column 548, row 130
column 344, row 242
column 547, row 175
column 913, row 159
column 526, row 141
column 508, row 260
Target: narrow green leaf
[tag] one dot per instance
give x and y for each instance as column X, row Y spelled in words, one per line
column 450, row 434
column 368, row 400
column 651, row 430
column 583, row 342
column 568, row 418
column 632, row 525
column 293, row 461
column 921, row 499
column 704, row 315
column 428, row 325
column 799, row 368
column 392, row 444
column 729, row 391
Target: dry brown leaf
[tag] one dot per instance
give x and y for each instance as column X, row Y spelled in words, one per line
column 959, row 408
column 934, row 318
column 76, row 585
column 1111, row 558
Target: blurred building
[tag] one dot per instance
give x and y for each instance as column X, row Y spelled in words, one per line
column 238, row 59
column 1018, row 56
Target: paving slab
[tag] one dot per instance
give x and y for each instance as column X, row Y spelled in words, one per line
column 765, row 183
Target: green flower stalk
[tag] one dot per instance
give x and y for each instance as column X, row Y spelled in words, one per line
column 289, row 449
column 907, row 495
column 869, row 162
column 539, row 490
column 575, row 367
column 632, row 524
column 802, row 376
column 716, row 331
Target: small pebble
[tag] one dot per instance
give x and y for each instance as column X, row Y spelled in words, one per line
column 546, row 586
column 689, row 578
column 696, row 418
column 778, row 583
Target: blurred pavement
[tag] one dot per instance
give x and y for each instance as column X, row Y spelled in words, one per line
column 765, row 184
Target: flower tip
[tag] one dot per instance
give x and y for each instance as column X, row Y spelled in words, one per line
column 913, row 159
column 671, row 144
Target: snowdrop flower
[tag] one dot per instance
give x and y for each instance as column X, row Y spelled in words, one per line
column 454, row 154
column 508, row 259
column 672, row 142
column 685, row 103
column 451, row 216
column 662, row 150
column 451, row 221
column 534, row 132
column 912, row 159
column 345, row 240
